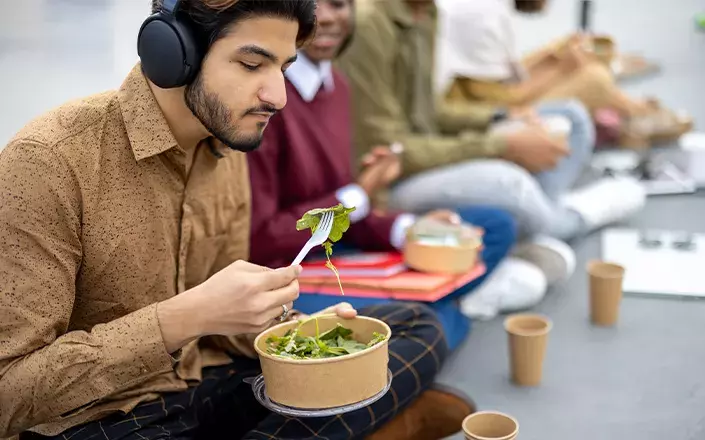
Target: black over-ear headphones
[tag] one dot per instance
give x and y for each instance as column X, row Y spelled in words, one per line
column 168, row 48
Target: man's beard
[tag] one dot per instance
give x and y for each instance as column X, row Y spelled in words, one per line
column 216, row 117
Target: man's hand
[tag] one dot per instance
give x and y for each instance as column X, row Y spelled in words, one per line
column 452, row 218
column 535, row 149
column 381, row 167
column 243, row 298
column 525, row 114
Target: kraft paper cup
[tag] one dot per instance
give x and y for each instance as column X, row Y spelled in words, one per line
column 528, row 336
column 490, row 425
column 605, row 291
column 329, row 382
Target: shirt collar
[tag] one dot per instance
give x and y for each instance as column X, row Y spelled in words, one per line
column 146, row 126
column 400, row 12
column 308, row 77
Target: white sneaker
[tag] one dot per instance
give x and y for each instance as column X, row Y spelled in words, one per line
column 607, row 201
column 555, row 258
column 514, row 285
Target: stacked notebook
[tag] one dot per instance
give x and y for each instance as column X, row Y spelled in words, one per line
column 381, row 275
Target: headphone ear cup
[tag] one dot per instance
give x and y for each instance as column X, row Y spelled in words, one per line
column 168, row 51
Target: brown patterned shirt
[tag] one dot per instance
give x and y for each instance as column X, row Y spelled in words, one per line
column 100, row 221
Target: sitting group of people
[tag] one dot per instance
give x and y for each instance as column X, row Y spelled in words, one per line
column 147, row 233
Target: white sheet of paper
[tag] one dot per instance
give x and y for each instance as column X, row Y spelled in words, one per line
column 661, row 271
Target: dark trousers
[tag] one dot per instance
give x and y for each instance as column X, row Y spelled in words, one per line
column 222, row 406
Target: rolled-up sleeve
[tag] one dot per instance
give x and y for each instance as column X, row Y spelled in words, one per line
column 47, row 371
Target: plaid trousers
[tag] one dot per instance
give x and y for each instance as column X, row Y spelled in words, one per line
column 223, row 406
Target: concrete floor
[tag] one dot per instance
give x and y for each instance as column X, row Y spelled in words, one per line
column 642, row 380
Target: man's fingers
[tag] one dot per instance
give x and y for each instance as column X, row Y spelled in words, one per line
column 344, row 310
column 381, row 151
column 446, row 216
column 275, row 279
column 368, row 159
column 276, row 312
column 246, row 266
column 283, row 295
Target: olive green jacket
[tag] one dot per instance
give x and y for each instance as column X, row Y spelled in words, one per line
column 390, row 67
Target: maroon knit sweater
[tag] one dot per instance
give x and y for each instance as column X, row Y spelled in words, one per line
column 304, row 159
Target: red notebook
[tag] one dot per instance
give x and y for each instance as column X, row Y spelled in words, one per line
column 372, row 265
column 408, row 285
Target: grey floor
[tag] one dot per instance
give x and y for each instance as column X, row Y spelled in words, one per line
column 643, row 380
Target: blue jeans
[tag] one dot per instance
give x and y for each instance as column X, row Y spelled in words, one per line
column 530, row 198
column 582, row 143
column 500, row 237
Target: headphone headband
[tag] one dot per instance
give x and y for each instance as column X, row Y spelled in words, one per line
column 171, row 6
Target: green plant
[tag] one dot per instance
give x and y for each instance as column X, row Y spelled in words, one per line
column 341, row 223
column 335, row 342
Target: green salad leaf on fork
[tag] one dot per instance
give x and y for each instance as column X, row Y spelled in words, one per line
column 341, row 223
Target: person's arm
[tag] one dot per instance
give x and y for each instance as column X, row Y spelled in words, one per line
column 531, row 89
column 546, row 53
column 46, row 371
column 456, row 117
column 380, row 119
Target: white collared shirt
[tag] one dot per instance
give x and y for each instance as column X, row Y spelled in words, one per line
column 307, row 78
column 477, row 41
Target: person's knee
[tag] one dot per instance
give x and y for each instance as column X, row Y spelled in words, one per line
column 582, row 123
column 500, row 227
column 515, row 181
column 411, row 317
column 432, row 334
column 596, row 72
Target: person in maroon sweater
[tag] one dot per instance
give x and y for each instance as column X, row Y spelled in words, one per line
column 305, row 162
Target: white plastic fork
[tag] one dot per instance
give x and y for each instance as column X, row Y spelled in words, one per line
column 318, row 238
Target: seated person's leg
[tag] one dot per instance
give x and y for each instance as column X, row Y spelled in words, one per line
column 581, row 141
column 489, row 182
column 417, row 352
column 222, row 402
column 594, row 85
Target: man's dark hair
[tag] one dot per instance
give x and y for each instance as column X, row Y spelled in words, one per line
column 529, row 6
column 213, row 18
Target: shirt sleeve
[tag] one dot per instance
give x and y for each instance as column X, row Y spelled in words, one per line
column 379, row 116
column 401, row 224
column 353, row 195
column 47, row 371
column 484, row 51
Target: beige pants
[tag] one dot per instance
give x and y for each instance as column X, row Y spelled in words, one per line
column 593, row 85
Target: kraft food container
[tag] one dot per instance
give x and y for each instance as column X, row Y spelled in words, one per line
column 330, row 382
column 441, row 248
